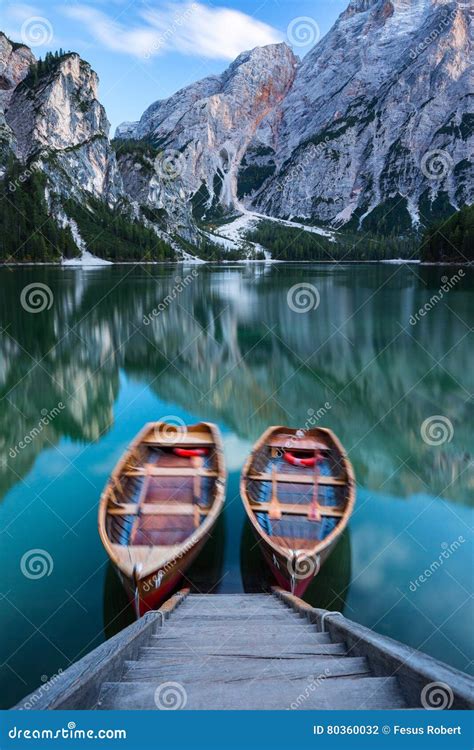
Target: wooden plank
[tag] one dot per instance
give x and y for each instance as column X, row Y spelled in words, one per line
column 344, row 693
column 157, row 509
column 241, row 639
column 182, row 655
column 181, row 440
column 255, row 615
column 164, row 471
column 297, row 479
column 245, row 669
column 293, row 443
column 177, row 629
column 298, row 510
column 249, row 648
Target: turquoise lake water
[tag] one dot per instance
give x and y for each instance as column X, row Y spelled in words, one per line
column 226, row 344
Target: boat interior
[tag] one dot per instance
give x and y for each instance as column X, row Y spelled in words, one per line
column 164, row 491
column 297, row 488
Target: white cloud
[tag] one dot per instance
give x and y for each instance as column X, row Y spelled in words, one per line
column 190, row 28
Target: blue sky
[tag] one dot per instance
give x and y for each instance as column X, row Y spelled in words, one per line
column 144, row 50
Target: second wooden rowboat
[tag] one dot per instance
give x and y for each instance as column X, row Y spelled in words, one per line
column 298, row 491
column 160, row 505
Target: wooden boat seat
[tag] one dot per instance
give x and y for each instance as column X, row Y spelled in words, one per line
column 292, row 443
column 186, row 440
column 294, row 543
column 158, row 471
column 156, row 509
column 298, row 510
column 298, row 478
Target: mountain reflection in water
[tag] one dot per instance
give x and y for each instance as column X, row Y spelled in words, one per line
column 228, row 348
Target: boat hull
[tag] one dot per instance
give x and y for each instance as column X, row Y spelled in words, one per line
column 150, row 592
column 160, row 506
column 293, row 579
column 310, row 470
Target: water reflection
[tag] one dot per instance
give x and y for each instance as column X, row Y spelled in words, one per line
column 229, row 347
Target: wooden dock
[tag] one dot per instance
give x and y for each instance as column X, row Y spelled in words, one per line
column 250, row 651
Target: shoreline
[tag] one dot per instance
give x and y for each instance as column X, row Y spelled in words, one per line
column 200, row 262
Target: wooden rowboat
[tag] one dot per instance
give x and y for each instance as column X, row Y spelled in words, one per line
column 298, row 490
column 160, row 505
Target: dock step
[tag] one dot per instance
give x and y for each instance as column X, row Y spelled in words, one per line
column 331, row 693
column 234, row 669
column 252, row 650
column 237, row 636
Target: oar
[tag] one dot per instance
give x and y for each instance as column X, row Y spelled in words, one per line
column 313, row 510
column 274, row 511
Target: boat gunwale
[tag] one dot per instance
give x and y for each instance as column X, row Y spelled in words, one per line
column 176, row 551
column 323, row 544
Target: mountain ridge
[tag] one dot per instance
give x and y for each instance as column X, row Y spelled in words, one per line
column 375, row 122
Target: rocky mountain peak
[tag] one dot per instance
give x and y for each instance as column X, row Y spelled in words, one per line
column 15, row 62
column 56, row 107
column 207, row 128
